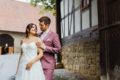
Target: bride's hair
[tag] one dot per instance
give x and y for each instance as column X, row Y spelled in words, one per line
column 28, row 28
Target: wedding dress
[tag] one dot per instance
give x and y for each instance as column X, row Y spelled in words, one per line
column 36, row 71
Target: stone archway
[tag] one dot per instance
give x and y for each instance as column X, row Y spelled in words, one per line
column 6, row 44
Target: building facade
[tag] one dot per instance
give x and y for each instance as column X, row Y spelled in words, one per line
column 15, row 16
column 79, row 37
column 11, row 40
column 90, row 36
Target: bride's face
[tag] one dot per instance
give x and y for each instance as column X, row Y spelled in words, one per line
column 33, row 30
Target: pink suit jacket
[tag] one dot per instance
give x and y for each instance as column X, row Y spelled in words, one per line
column 53, row 47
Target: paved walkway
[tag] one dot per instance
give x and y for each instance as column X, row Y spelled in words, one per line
column 8, row 66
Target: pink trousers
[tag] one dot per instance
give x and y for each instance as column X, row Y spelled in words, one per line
column 48, row 74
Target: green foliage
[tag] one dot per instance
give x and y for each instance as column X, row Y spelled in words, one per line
column 47, row 5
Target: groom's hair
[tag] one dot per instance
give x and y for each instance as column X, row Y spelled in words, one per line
column 45, row 19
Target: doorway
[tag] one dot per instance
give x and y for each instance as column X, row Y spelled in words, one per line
column 6, row 44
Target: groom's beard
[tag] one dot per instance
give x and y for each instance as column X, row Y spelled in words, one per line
column 44, row 29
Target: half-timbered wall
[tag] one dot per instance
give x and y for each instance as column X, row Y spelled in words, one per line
column 75, row 19
column 80, row 43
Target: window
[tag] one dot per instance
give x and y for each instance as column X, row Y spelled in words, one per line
column 85, row 4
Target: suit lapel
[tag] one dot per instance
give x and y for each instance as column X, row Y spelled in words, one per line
column 48, row 34
column 40, row 34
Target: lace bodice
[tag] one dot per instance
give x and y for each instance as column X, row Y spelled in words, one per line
column 29, row 50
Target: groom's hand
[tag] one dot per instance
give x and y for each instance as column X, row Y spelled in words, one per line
column 40, row 45
column 28, row 66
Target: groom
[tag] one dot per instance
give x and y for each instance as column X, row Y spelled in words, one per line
column 51, row 46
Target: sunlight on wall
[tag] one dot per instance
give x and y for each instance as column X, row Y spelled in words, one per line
column 27, row 1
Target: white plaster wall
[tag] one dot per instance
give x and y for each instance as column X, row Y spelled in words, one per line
column 62, row 9
column 85, row 16
column 66, row 26
column 77, row 21
column 70, row 5
column 62, row 29
column 71, row 24
column 94, row 13
column 85, row 20
column 66, row 6
column 77, row 3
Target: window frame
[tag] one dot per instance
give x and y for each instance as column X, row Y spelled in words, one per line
column 85, row 4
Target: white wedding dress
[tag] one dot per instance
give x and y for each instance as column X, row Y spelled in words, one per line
column 36, row 71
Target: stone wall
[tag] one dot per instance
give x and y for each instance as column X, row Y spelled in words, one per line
column 82, row 58
column 17, row 38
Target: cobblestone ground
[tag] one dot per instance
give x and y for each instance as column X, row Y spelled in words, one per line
column 8, row 66
column 62, row 74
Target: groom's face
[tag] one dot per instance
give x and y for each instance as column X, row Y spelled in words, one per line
column 43, row 27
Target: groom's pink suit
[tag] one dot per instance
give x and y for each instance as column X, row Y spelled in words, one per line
column 53, row 46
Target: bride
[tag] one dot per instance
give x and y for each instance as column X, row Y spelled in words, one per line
column 29, row 66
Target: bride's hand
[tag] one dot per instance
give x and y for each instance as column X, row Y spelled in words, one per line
column 28, row 66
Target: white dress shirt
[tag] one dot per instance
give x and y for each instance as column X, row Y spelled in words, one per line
column 44, row 34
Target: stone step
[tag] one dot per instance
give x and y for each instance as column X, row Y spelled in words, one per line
column 62, row 74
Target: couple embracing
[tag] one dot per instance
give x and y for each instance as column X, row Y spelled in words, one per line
column 37, row 60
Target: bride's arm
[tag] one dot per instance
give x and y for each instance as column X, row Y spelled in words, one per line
column 19, row 57
column 19, row 61
column 40, row 55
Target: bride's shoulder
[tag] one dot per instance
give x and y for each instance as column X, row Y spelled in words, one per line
column 37, row 39
column 22, row 41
